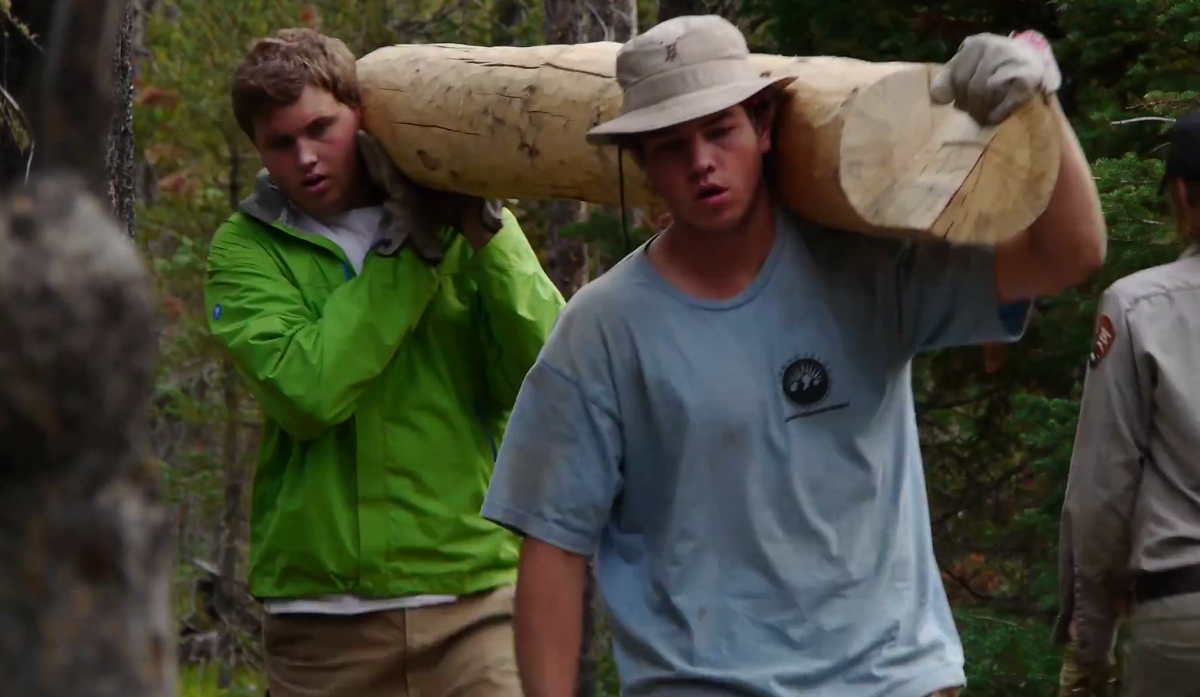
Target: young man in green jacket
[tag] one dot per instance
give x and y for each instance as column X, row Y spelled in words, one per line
column 385, row 331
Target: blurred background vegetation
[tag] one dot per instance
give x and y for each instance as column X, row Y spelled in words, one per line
column 997, row 423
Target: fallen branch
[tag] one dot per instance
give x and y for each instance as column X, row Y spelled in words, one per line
column 1141, row 119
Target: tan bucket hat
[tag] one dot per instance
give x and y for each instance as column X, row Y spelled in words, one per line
column 682, row 69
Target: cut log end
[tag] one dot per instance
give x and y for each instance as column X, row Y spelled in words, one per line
column 910, row 165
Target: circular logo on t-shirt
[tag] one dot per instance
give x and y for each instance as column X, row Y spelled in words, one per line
column 806, row 382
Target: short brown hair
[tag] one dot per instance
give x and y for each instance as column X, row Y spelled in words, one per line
column 1186, row 211
column 760, row 109
column 278, row 67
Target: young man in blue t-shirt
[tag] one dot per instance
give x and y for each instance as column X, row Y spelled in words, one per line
column 726, row 417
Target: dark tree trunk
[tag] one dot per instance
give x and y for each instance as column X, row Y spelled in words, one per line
column 23, row 60
column 225, row 594
column 566, row 22
column 506, row 16
column 569, row 22
column 121, row 159
column 729, row 9
column 612, row 20
column 624, row 19
column 85, row 547
column 231, row 524
column 145, row 183
column 670, row 9
column 20, row 64
column 566, row 258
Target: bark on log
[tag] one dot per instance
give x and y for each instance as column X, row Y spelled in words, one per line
column 860, row 145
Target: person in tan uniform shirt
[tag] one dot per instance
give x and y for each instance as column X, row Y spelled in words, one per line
column 1131, row 520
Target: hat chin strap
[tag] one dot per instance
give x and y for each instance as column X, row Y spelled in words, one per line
column 621, row 192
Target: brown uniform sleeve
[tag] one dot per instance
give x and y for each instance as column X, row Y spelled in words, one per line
column 1106, row 470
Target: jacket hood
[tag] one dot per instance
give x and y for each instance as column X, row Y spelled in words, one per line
column 267, row 203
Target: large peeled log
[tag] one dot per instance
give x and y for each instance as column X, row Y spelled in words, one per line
column 860, row 145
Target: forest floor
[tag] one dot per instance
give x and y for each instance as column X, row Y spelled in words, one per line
column 203, row 681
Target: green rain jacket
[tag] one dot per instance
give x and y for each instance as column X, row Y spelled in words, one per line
column 384, row 395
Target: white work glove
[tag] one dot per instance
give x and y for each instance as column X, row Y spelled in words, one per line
column 992, row 76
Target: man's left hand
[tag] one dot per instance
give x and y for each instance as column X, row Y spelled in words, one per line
column 478, row 219
column 418, row 211
column 992, row 76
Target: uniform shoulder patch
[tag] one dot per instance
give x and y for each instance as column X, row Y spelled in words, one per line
column 1102, row 344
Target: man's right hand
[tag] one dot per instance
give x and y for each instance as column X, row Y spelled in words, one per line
column 1100, row 681
column 1096, row 676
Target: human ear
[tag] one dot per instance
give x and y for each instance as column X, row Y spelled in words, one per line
column 1180, row 204
column 1177, row 197
column 765, row 126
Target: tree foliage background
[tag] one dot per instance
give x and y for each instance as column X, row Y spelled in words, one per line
column 997, row 423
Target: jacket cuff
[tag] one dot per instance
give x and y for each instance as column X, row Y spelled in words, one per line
column 507, row 250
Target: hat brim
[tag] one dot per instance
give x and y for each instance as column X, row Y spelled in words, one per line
column 682, row 109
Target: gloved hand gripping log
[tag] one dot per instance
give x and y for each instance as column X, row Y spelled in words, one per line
column 417, row 215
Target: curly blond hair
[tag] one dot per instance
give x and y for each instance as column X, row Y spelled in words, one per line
column 277, row 68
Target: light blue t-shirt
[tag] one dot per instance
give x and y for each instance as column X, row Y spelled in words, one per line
column 748, row 472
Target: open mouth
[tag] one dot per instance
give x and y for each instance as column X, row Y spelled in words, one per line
column 313, row 181
column 710, row 192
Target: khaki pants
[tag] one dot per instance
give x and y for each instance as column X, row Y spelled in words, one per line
column 1162, row 651
column 464, row 649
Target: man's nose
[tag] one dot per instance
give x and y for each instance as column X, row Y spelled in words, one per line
column 703, row 162
column 307, row 153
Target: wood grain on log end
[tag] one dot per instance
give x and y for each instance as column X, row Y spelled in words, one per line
column 809, row 131
column 928, row 169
